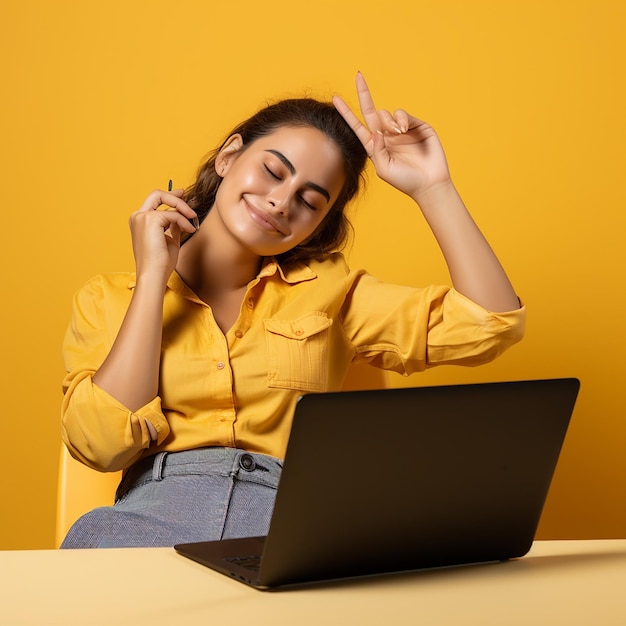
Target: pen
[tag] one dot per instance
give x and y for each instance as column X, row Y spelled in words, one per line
column 193, row 220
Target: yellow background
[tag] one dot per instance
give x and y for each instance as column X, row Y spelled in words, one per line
column 101, row 102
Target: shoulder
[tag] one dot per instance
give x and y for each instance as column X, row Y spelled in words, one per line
column 109, row 287
column 111, row 280
column 103, row 301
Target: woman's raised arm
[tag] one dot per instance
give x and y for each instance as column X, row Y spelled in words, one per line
column 407, row 154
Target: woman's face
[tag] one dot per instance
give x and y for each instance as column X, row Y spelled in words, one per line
column 278, row 190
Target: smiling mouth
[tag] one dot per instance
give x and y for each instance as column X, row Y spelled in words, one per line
column 264, row 219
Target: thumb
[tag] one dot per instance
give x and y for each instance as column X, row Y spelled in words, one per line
column 379, row 154
column 378, row 143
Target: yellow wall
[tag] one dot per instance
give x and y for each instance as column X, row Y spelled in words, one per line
column 101, row 102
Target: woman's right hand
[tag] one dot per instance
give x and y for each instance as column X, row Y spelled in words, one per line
column 156, row 229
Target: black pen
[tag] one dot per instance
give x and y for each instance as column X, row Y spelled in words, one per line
column 193, row 220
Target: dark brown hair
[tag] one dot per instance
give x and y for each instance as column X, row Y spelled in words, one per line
column 333, row 232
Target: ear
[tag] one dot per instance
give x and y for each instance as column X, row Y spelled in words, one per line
column 226, row 155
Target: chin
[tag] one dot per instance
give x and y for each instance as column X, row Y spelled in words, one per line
column 262, row 247
column 265, row 251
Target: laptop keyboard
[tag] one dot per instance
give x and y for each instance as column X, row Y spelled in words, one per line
column 252, row 562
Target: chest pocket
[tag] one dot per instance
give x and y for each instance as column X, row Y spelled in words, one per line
column 298, row 352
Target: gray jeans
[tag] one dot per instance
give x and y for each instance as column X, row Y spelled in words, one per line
column 180, row 497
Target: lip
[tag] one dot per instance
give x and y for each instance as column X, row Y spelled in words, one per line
column 264, row 219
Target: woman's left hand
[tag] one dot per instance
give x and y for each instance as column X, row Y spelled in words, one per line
column 405, row 151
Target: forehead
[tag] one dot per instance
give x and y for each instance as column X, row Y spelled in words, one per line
column 300, row 141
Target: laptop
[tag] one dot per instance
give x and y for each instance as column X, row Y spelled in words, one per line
column 391, row 480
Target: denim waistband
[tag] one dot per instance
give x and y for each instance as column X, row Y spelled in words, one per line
column 212, row 461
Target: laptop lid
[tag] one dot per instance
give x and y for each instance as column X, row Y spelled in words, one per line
column 399, row 479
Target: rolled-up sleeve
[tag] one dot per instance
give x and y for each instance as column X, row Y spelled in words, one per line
column 462, row 332
column 408, row 330
column 98, row 430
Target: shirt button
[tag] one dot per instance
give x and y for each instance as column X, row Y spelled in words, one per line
column 238, row 334
column 220, row 365
column 298, row 331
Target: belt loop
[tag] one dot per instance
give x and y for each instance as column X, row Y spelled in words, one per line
column 157, row 465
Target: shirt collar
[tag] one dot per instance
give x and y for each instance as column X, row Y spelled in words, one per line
column 293, row 273
column 179, row 286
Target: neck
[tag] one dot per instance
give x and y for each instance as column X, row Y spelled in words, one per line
column 211, row 264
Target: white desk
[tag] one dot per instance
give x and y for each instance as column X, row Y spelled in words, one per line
column 558, row 582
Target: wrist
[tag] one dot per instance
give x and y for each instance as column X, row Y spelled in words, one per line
column 152, row 282
column 437, row 194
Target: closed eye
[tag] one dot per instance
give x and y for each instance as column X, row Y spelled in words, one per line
column 271, row 173
column 307, row 204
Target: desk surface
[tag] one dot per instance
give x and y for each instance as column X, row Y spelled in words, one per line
column 558, row 582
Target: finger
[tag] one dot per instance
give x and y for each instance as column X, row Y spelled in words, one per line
column 174, row 232
column 171, row 199
column 402, row 119
column 182, row 207
column 366, row 102
column 182, row 222
column 156, row 198
column 418, row 128
column 389, row 123
column 163, row 218
column 361, row 131
column 379, row 149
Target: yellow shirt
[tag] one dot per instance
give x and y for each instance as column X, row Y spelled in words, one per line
column 297, row 332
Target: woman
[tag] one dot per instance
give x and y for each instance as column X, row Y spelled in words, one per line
column 186, row 372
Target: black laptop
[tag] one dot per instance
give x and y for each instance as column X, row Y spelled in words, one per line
column 393, row 480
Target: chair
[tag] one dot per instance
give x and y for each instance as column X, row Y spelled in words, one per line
column 81, row 489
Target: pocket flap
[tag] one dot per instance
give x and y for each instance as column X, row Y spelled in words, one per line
column 300, row 328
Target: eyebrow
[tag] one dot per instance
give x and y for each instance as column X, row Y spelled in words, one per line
column 289, row 165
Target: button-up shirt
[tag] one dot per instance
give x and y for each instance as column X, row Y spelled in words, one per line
column 298, row 330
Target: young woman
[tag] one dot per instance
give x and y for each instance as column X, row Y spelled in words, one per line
column 186, row 372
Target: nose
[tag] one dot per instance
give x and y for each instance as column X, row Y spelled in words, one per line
column 278, row 199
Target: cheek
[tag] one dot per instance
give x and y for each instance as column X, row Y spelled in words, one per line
column 255, row 181
column 247, row 177
column 309, row 223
